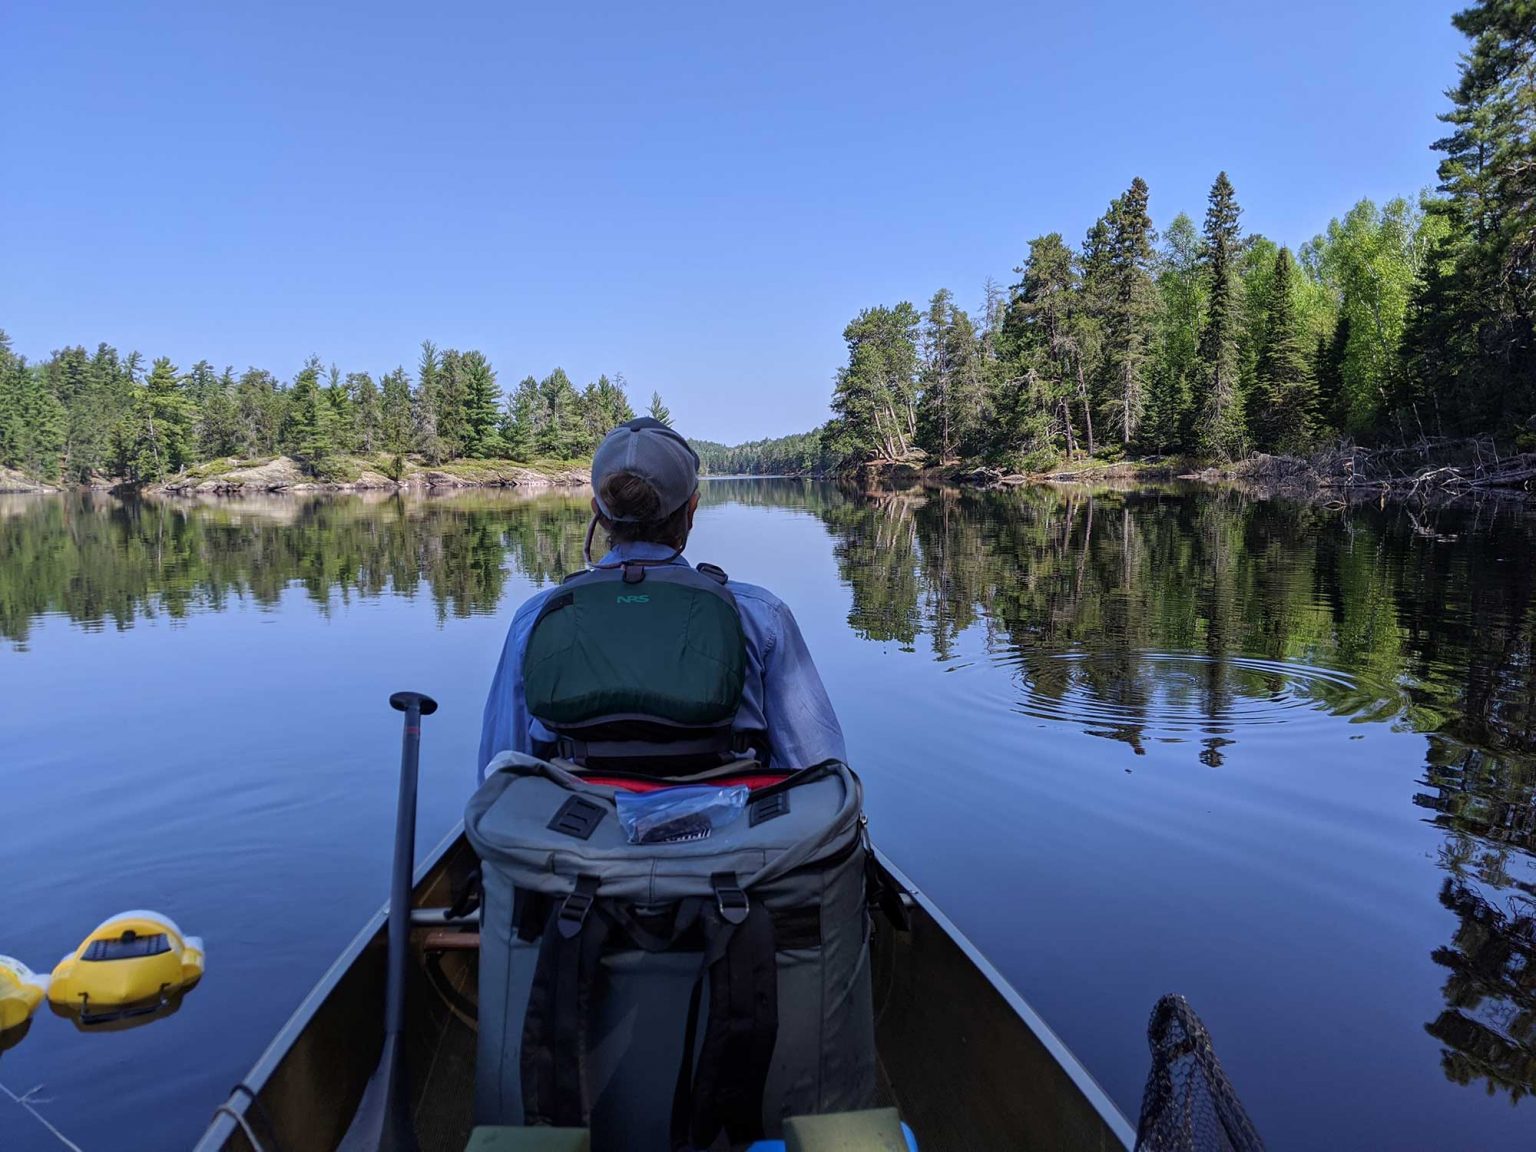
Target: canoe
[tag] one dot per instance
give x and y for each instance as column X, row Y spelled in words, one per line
column 965, row 1059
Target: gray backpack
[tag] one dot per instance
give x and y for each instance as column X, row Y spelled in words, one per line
column 663, row 994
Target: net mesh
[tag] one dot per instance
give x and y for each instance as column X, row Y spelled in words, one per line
column 1189, row 1104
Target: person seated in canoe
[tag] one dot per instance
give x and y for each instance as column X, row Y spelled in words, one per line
column 645, row 663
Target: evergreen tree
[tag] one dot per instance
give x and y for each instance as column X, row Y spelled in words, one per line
column 155, row 438
column 482, row 407
column 1181, row 296
column 396, row 433
column 453, row 405
column 523, row 424
column 343, row 422
column 426, row 405
column 1283, row 404
column 604, row 407
column 310, row 435
column 563, row 435
column 951, row 405
column 367, row 413
column 875, row 399
column 1218, row 401
column 1472, row 348
column 659, row 411
column 1044, row 385
column 1332, row 350
column 218, row 431
column 1129, row 306
column 261, row 411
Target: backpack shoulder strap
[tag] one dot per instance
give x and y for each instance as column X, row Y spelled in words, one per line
column 557, row 1023
column 724, row 1089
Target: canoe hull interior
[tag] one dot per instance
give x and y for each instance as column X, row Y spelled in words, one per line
column 964, row 1058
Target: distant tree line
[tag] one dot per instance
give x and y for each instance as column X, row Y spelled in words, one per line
column 803, row 454
column 1398, row 322
column 79, row 415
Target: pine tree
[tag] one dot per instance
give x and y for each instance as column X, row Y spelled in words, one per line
column 1332, row 400
column 1481, row 291
column 1129, row 309
column 155, row 438
column 453, row 405
column 563, row 435
column 1218, row 401
column 660, row 411
column 396, row 433
column 311, row 432
column 261, row 411
column 482, row 407
column 1181, row 297
column 426, row 404
column 343, row 421
column 367, row 413
column 951, row 406
column 604, row 407
column 875, row 397
column 523, row 424
column 1282, row 409
column 1044, row 386
column 218, row 431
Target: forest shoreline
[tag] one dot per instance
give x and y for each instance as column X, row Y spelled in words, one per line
column 1429, row 471
column 233, row 477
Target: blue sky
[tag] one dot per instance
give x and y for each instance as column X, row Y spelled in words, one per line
column 697, row 195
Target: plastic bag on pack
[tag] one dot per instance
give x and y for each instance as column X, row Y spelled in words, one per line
column 675, row 815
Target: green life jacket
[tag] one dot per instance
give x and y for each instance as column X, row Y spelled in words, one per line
column 640, row 668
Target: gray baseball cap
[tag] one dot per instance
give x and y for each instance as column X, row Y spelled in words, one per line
column 659, row 456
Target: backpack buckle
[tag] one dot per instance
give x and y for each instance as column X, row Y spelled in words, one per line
column 730, row 898
column 574, row 908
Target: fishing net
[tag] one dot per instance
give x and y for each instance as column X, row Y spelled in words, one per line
column 1189, row 1104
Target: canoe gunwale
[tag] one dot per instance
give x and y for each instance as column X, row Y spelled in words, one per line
column 224, row 1125
column 1089, row 1088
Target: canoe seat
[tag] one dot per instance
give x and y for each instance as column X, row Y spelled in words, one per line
column 877, row 1130
column 499, row 1139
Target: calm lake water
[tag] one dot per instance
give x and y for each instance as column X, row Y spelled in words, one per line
column 1277, row 758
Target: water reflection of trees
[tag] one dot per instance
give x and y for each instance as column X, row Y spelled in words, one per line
column 1429, row 614
column 98, row 560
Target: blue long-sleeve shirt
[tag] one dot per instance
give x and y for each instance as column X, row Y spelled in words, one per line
column 783, row 694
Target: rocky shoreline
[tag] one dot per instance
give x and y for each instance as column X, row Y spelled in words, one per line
column 283, row 474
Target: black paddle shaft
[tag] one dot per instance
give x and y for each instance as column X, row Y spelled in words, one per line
column 382, row 1122
column 415, row 705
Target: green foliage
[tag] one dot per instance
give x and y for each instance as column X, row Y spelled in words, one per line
column 482, row 407
column 1282, row 405
column 309, row 435
column 367, row 413
column 155, row 438
column 952, row 405
column 1126, row 303
column 1180, row 315
column 1470, row 339
column 1218, row 396
column 875, row 400
column 659, row 411
column 395, row 427
column 802, row 454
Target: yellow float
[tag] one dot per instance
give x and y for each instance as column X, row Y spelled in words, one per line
column 21, row 991
column 134, row 958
